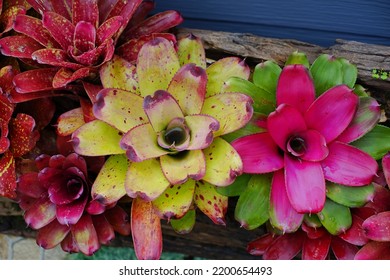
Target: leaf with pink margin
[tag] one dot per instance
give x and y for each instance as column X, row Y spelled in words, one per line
column 366, row 117
column 22, row 134
column 35, row 80
column 285, row 247
column 343, row 250
column 85, row 235
column 332, row 112
column 97, row 138
column 109, row 185
column 201, row 129
column 191, row 50
column 210, row 202
column 33, row 28
column 140, row 143
column 188, row 87
column 284, row 122
column 232, row 110
column 258, row 246
column 316, row 249
column 356, row 234
column 51, row 235
column 295, row 87
column 41, row 213
column 252, row 209
column 348, row 165
column 305, row 185
column 223, row 163
column 146, row 230
column 19, row 46
column 176, row 201
column 118, row 73
column 282, row 215
column 118, row 219
column 119, row 108
column 156, row 65
column 7, row 176
column 377, row 227
column 145, row 180
column 177, row 169
column 104, row 230
column 131, row 48
column 60, row 28
column 386, row 167
column 374, row 250
column 220, row 71
column 85, row 10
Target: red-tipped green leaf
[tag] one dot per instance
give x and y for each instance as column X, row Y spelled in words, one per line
column 190, row 50
column 350, row 196
column 335, row 218
column 85, row 235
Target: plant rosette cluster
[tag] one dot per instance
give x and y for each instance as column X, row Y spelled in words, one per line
column 57, row 202
column 70, row 40
column 160, row 122
column 311, row 148
column 368, row 237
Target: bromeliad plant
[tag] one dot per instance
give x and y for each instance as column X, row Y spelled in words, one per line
column 72, row 39
column 57, row 202
column 310, row 143
column 160, row 122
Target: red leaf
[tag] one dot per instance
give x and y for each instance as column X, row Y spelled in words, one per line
column 22, row 134
column 146, row 230
column 7, row 176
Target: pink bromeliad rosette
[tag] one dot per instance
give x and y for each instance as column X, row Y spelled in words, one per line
column 305, row 152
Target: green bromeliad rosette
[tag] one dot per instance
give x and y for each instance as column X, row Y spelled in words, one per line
column 160, row 121
column 309, row 152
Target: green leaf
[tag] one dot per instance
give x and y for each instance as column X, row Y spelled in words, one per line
column 190, row 50
column 298, row 58
column 185, row 224
column 336, row 218
column 349, row 72
column 312, row 220
column 360, row 91
column 376, row 142
column 327, row 72
column 237, row 187
column 263, row 101
column 266, row 75
column 253, row 204
column 350, row 196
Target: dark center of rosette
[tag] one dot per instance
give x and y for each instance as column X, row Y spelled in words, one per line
column 175, row 137
column 296, row 146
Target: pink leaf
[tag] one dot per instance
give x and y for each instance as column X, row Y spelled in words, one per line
column 295, row 88
column 377, row 227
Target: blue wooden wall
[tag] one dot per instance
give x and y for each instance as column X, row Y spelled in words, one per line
column 315, row 21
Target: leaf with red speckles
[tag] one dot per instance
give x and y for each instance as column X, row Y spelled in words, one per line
column 22, row 134
column 7, row 176
column 69, row 121
column 146, row 230
column 252, row 208
column 175, row 201
column 35, row 80
column 210, row 202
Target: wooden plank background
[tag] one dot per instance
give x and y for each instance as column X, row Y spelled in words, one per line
column 318, row 22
